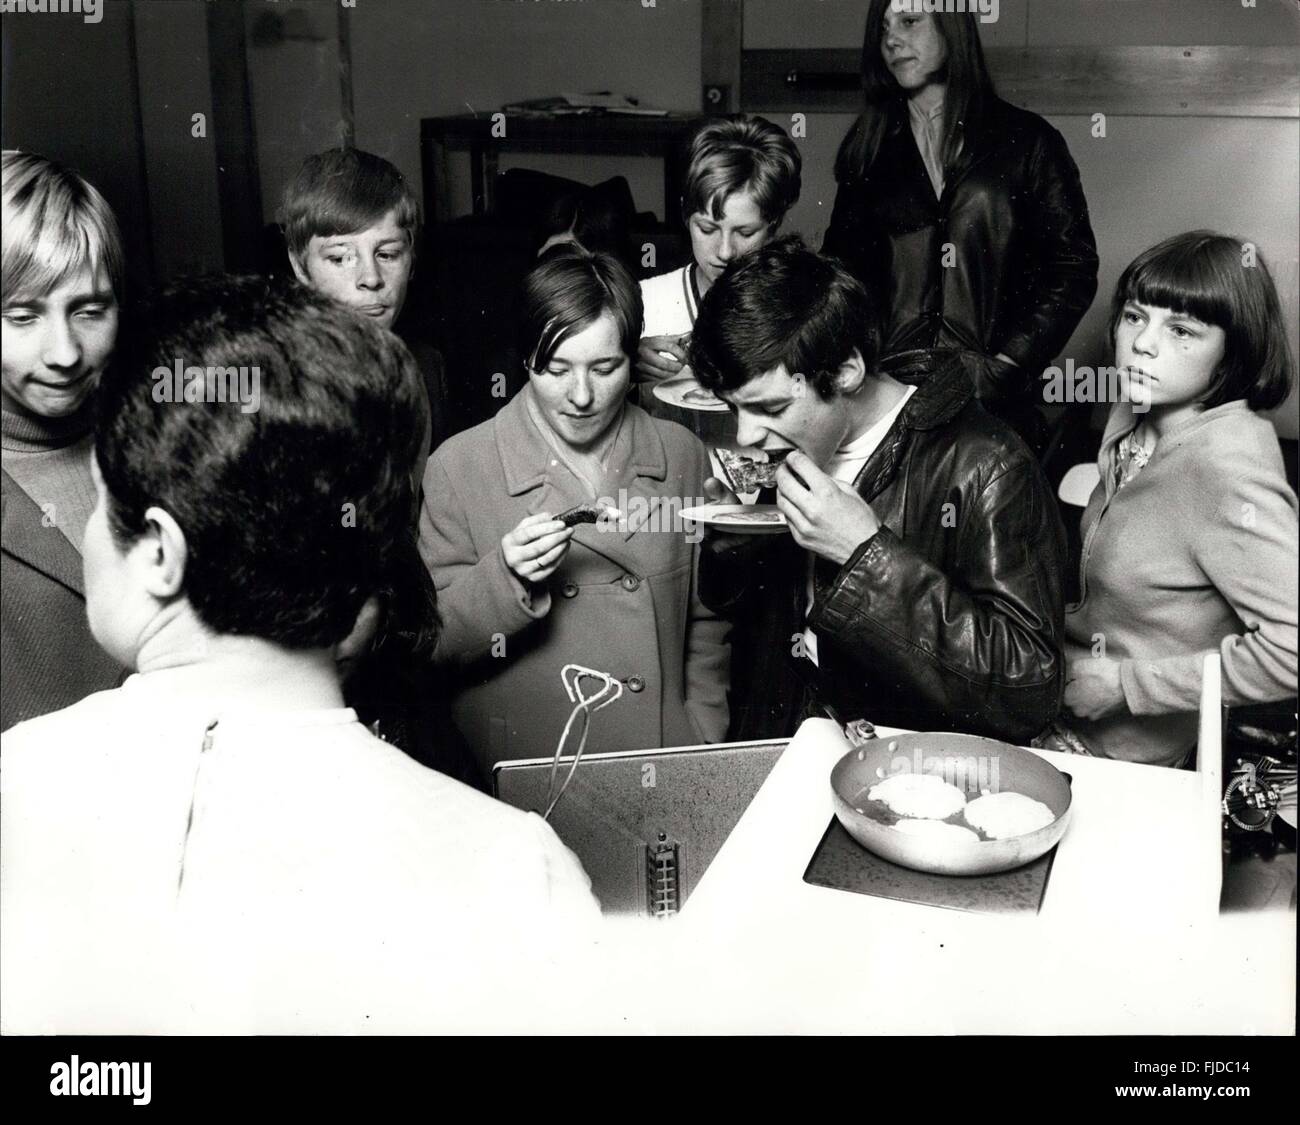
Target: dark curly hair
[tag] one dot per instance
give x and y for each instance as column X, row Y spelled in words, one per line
column 782, row 304
column 295, row 513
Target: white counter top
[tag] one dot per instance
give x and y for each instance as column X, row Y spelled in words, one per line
column 1126, row 940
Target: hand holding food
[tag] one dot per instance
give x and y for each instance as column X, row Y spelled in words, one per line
column 826, row 516
column 660, row 357
column 1093, row 689
column 535, row 547
column 587, row 513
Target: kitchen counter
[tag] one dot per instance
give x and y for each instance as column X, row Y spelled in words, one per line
column 1128, row 939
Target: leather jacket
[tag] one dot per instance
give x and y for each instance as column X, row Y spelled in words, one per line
column 1013, row 210
column 950, row 617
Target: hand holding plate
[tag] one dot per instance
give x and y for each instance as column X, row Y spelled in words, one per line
column 659, row 358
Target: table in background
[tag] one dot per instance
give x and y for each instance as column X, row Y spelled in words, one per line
column 582, row 134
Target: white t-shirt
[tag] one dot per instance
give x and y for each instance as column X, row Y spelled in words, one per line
column 279, row 872
column 845, row 465
column 671, row 303
column 671, row 306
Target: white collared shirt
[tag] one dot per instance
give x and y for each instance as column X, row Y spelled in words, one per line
column 279, row 870
column 927, row 129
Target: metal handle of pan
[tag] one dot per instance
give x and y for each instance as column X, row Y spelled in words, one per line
column 859, row 732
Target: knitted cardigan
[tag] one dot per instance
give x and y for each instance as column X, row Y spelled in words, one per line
column 1196, row 554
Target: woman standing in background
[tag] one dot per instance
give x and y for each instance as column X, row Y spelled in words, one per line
column 963, row 213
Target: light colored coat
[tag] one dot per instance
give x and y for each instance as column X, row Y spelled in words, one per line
column 623, row 601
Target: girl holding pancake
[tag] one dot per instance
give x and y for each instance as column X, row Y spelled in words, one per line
column 1190, row 538
column 522, row 593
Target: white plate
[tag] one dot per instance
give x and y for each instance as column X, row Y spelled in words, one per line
column 673, row 392
column 739, row 519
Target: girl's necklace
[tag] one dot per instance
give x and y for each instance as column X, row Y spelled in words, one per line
column 1134, row 456
column 1144, row 440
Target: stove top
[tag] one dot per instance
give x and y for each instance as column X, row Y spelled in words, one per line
column 843, row 864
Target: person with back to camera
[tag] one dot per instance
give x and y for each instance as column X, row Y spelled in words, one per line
column 521, row 593
column 921, row 583
column 63, row 274
column 220, row 840
column 1190, row 537
column 964, row 213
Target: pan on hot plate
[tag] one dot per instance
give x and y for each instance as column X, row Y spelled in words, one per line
column 976, row 767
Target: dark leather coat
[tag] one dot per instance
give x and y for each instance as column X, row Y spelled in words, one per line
column 950, row 617
column 1024, row 269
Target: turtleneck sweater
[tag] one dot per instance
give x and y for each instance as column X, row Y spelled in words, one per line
column 49, row 459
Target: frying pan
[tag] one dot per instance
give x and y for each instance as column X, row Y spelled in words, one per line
column 971, row 763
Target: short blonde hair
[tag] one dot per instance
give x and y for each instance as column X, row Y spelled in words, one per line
column 742, row 153
column 54, row 224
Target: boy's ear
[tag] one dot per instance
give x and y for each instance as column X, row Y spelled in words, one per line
column 161, row 553
column 852, row 373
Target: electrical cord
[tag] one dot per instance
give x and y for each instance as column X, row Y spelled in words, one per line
column 585, row 706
